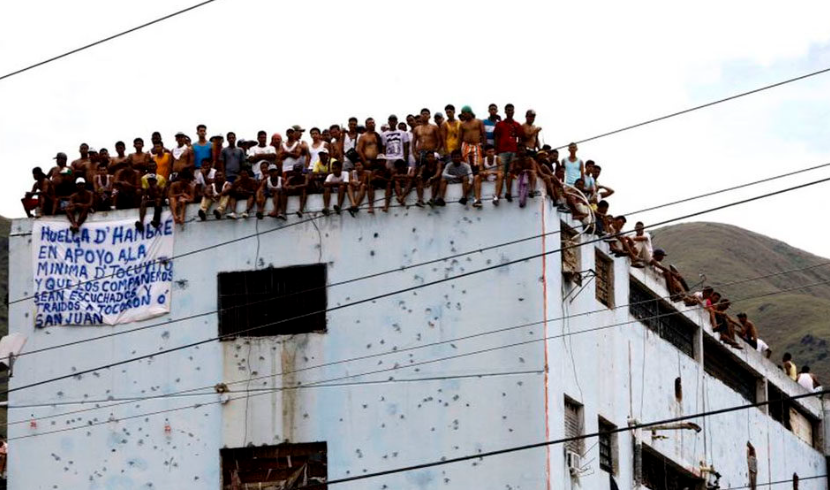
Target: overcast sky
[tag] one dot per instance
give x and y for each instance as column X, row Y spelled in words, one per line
column 585, row 67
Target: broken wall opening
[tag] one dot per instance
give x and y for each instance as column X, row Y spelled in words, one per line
column 282, row 467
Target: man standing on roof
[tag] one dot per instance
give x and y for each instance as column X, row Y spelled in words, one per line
column 451, row 131
column 80, row 165
column 233, row 158
column 530, row 133
column 426, row 138
column 139, row 160
column 261, row 151
column 490, row 124
column 507, row 135
column 202, row 148
column 182, row 155
column 368, row 146
column 395, row 142
column 293, row 150
column 472, row 138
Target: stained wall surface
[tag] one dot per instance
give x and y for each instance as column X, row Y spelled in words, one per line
column 427, row 363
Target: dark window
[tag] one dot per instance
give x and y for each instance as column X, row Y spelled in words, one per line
column 281, row 466
column 605, row 279
column 660, row 473
column 662, row 318
column 265, row 300
column 719, row 363
column 792, row 416
column 607, row 446
column 573, row 426
column 569, row 243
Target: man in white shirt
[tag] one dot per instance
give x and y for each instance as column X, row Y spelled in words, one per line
column 261, row 151
column 338, row 180
column 395, row 142
column 642, row 243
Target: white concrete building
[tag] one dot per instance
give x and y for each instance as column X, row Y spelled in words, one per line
column 457, row 368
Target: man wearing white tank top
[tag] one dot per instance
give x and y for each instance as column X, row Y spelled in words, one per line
column 574, row 169
column 317, row 145
column 293, row 150
column 350, row 140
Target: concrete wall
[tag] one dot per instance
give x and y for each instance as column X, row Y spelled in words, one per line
column 406, row 404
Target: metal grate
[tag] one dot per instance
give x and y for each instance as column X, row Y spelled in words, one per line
column 719, row 363
column 573, row 426
column 606, row 446
column 568, row 238
column 661, row 318
column 605, row 279
column 266, row 298
column 660, row 473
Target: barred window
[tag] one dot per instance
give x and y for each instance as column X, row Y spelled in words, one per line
column 267, row 302
column 661, row 318
column 569, row 250
column 661, row 473
column 719, row 363
column 605, row 279
column 607, row 446
column 573, row 426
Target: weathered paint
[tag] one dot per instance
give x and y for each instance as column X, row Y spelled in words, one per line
column 385, row 419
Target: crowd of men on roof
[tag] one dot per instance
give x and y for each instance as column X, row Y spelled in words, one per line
column 423, row 153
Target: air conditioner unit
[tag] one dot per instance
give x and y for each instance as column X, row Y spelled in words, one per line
column 573, row 461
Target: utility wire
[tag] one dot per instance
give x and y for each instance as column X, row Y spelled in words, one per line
column 327, row 382
column 563, row 440
column 190, row 392
column 702, row 106
column 106, row 39
column 404, row 290
column 381, row 273
column 779, row 482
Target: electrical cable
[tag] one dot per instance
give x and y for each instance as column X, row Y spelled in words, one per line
column 701, row 106
column 326, row 382
column 779, row 482
column 106, row 39
column 407, row 289
column 402, row 268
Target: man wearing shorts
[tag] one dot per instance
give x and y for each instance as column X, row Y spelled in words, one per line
column 295, row 184
column 490, row 171
column 337, row 180
column 507, row 136
column 472, row 137
column 395, row 142
column 429, row 175
column 426, row 138
column 522, row 164
column 455, row 172
column 270, row 187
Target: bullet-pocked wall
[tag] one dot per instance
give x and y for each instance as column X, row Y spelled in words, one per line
column 449, row 369
column 400, row 380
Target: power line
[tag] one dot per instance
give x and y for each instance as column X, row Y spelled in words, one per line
column 563, row 440
column 327, row 382
column 377, row 274
column 702, row 106
column 404, row 290
column 190, row 391
column 106, row 39
column 779, row 482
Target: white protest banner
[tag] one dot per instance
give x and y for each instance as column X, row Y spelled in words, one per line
column 107, row 273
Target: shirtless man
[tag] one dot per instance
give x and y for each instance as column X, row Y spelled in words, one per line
column 80, row 203
column 359, row 181
column 748, row 330
column 426, row 138
column 181, row 193
column 60, row 164
column 368, row 146
column 80, row 167
column 44, row 191
column 530, row 133
column 182, row 155
column 336, row 146
column 139, row 160
column 126, row 185
column 120, row 160
column 153, row 195
column 472, row 138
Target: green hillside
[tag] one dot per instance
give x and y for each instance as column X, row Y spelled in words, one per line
column 796, row 321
